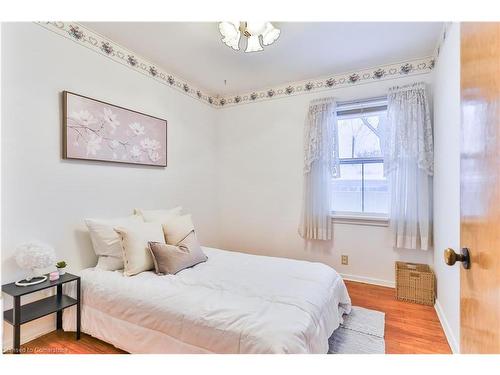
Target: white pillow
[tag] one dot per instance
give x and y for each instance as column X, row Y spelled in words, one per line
column 157, row 216
column 110, row 263
column 177, row 228
column 106, row 241
column 135, row 237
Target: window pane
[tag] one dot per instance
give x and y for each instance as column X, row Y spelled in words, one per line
column 359, row 137
column 347, row 189
column 362, row 187
column 376, row 189
column 347, row 130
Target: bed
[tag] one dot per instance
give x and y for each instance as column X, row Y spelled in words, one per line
column 232, row 303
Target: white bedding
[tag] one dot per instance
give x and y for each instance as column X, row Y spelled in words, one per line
column 233, row 303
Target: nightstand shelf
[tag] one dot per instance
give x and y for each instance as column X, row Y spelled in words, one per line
column 21, row 314
column 40, row 308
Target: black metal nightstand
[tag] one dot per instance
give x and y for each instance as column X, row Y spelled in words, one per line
column 21, row 314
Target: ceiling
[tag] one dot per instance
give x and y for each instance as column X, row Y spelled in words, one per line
column 193, row 50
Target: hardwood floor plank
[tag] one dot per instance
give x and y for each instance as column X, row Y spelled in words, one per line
column 409, row 328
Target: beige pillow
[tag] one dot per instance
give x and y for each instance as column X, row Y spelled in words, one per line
column 135, row 238
column 158, row 216
column 170, row 259
column 176, row 228
column 110, row 263
column 106, row 241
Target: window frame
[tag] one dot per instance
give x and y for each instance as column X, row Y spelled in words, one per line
column 350, row 110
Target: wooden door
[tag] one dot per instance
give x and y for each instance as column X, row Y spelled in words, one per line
column 480, row 187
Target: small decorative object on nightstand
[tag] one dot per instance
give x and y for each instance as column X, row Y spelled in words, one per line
column 21, row 314
column 61, row 267
column 33, row 256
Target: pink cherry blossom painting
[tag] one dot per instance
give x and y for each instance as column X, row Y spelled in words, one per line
column 95, row 130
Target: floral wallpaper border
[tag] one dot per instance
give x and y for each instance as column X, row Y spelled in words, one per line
column 392, row 71
column 114, row 51
column 122, row 55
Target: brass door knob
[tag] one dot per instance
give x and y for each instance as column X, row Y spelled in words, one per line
column 450, row 257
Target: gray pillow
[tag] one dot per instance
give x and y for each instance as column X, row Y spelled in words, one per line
column 170, row 259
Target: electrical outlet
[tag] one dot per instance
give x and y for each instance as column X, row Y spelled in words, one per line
column 345, row 260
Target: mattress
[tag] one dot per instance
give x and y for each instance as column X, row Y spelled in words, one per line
column 233, row 303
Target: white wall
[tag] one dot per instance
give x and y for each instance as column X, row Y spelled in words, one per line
column 260, row 160
column 447, row 182
column 45, row 197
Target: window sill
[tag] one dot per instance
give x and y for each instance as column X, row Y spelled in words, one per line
column 359, row 219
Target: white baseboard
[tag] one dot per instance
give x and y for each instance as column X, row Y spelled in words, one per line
column 368, row 280
column 452, row 340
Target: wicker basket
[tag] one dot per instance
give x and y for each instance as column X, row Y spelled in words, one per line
column 415, row 283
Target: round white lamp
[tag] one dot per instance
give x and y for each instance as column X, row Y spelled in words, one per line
column 32, row 256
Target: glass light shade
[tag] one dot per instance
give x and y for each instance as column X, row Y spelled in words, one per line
column 253, row 44
column 231, row 33
column 256, row 28
column 270, row 34
column 234, row 43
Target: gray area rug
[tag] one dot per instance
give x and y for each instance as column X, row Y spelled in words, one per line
column 361, row 333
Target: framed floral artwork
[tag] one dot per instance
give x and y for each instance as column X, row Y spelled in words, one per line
column 96, row 130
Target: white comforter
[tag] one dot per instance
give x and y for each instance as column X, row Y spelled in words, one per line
column 233, row 303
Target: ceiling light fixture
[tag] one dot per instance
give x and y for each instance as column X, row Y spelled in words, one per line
column 231, row 33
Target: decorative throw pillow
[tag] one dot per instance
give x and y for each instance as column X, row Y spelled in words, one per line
column 157, row 216
column 176, row 228
column 106, row 242
column 170, row 259
column 136, row 255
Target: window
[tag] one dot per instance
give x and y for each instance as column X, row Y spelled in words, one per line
column 361, row 188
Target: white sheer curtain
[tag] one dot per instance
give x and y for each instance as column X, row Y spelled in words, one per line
column 408, row 163
column 321, row 163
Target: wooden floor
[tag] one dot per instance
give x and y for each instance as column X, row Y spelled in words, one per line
column 409, row 328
